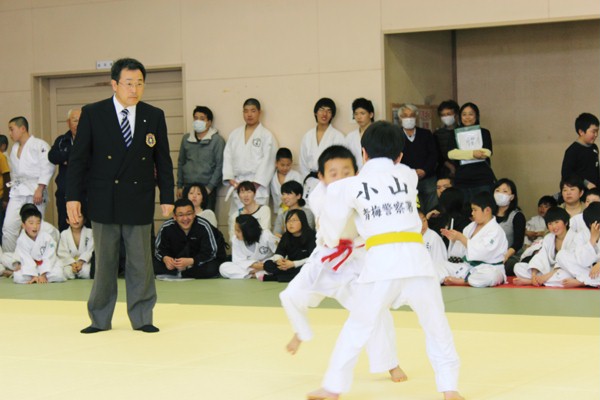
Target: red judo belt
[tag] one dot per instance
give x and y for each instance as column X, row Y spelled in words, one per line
column 344, row 248
column 38, row 262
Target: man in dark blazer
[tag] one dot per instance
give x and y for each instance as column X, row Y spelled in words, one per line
column 119, row 156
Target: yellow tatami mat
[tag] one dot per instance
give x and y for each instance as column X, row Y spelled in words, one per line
column 220, row 352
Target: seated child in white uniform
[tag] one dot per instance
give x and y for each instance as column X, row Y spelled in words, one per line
column 541, row 266
column 251, row 246
column 433, row 242
column 247, row 194
column 580, row 264
column 318, row 279
column 36, row 252
column 283, row 173
column 576, row 223
column 477, row 253
column 76, row 250
column 535, row 228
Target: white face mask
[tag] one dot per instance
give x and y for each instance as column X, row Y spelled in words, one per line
column 409, row 123
column 502, row 199
column 199, row 126
column 448, row 120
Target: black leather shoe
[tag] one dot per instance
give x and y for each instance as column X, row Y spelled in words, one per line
column 92, row 329
column 148, row 329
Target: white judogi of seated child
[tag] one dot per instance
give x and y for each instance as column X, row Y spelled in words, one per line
column 36, row 252
column 541, row 266
column 478, row 251
column 75, row 250
column 397, row 269
column 317, row 279
column 433, row 242
column 580, row 264
column 576, row 223
column 251, row 246
column 283, row 173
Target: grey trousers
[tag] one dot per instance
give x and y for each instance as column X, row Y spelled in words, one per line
column 139, row 275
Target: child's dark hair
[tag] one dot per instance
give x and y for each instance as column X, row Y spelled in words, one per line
column 183, row 202
column 555, row 213
column 293, row 187
column 484, row 200
column 335, row 151
column 475, row 109
column 514, row 203
column 549, row 200
column 307, row 233
column 365, row 104
column 590, row 192
column 203, row 191
column 591, row 214
column 383, row 139
column 20, row 121
column 246, row 185
column 325, row 102
column 252, row 102
column 452, row 200
column 572, row 181
column 29, row 210
column 283, row 152
column 204, row 110
column 250, row 228
column 448, row 105
column 584, row 121
column 3, row 140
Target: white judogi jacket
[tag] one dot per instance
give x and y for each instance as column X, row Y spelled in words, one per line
column 580, row 257
column 576, row 223
column 68, row 252
column 353, row 143
column 435, row 246
column 250, row 161
column 242, row 256
column 546, row 258
column 293, row 175
column 31, row 169
column 384, row 198
column 42, row 250
column 487, row 247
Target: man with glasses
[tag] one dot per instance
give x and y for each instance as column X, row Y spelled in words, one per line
column 188, row 246
column 120, row 153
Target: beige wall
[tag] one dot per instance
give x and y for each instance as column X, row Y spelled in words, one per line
column 286, row 53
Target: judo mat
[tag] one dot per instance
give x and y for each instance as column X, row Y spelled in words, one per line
column 236, row 351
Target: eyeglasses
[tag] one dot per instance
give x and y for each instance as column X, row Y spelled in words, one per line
column 131, row 85
column 325, row 110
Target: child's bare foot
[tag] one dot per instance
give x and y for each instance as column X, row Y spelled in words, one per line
column 398, row 375
column 453, row 395
column 322, row 394
column 7, row 273
column 452, row 281
column 572, row 283
column 522, row 282
column 293, row 345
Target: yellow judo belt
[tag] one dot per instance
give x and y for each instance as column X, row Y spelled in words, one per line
column 394, row 237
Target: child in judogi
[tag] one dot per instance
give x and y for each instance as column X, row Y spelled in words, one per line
column 36, row 252
column 251, row 247
column 433, row 242
column 397, row 268
column 535, row 228
column 576, row 223
column 579, row 265
column 76, row 250
column 541, row 266
column 329, row 274
column 247, row 194
column 283, row 173
column 476, row 255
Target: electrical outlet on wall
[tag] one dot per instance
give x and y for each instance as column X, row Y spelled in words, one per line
column 104, row 64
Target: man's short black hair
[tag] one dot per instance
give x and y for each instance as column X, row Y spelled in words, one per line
column 584, row 121
column 325, row 102
column 204, row 110
column 365, row 104
column 126, row 63
column 484, row 200
column 383, row 139
column 335, row 151
column 20, row 121
column 448, row 105
column 252, row 102
column 183, row 202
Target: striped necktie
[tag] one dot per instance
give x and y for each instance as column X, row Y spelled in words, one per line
column 126, row 128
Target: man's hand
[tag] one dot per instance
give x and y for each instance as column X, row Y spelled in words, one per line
column 74, row 210
column 169, row 263
column 167, row 209
column 38, row 195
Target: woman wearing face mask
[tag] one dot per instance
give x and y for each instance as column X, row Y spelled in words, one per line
column 448, row 113
column 474, row 173
column 201, row 157
column 511, row 219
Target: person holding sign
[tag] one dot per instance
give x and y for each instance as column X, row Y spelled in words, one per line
column 472, row 148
